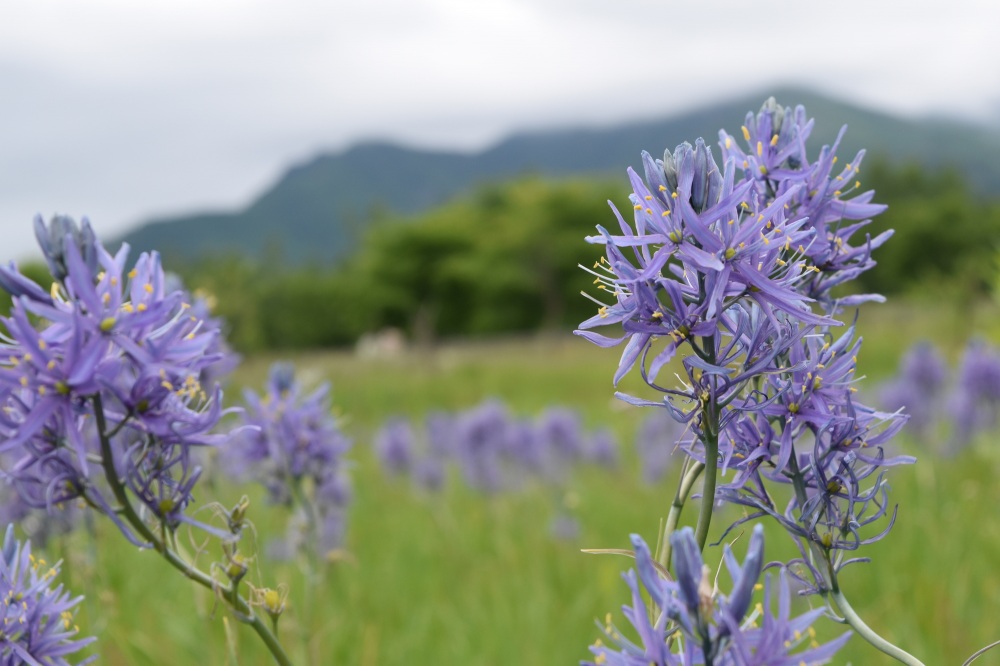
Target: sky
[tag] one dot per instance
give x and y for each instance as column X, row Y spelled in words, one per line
column 123, row 110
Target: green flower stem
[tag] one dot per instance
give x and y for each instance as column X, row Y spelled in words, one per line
column 710, row 426
column 683, row 490
column 866, row 632
column 708, row 488
column 241, row 606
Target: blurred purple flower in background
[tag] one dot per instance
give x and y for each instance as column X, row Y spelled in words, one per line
column 493, row 450
column 918, row 388
column 976, row 400
column 295, row 449
column 656, row 443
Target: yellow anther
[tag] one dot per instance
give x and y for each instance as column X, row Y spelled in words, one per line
column 637, row 206
column 729, row 142
column 42, row 344
column 132, row 273
column 663, row 188
column 141, row 307
column 673, row 195
column 760, row 149
column 148, row 288
column 665, row 213
column 746, row 132
column 774, row 140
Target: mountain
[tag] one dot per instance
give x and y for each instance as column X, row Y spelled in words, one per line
column 317, row 210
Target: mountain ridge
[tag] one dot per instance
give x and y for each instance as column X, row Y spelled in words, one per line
column 317, row 209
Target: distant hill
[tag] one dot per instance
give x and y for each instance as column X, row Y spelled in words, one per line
column 317, row 210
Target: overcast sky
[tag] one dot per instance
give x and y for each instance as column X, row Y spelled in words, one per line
column 120, row 109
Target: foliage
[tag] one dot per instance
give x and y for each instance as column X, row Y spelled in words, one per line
column 504, row 259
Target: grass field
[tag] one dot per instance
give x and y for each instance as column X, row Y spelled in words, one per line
column 461, row 578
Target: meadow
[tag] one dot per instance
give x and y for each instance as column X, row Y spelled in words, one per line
column 459, row 577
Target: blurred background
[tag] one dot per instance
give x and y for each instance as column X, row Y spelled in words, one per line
column 394, row 195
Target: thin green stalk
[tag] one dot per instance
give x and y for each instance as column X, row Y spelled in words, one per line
column 866, row 632
column 708, row 488
column 979, row 653
column 673, row 518
column 710, row 428
column 243, row 610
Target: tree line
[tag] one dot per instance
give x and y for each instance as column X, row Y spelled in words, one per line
column 506, row 258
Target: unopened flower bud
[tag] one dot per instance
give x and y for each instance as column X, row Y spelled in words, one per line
column 777, row 113
column 53, row 241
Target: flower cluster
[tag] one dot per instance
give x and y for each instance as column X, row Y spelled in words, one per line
column 295, row 448
column 925, row 388
column 38, row 618
column 100, row 382
column 919, row 387
column 494, row 450
column 692, row 622
column 733, row 272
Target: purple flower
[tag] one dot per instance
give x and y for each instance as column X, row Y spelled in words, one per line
column 105, row 346
column 394, row 445
column 777, row 161
column 294, row 447
column 977, row 395
column 603, row 448
column 919, row 387
column 38, row 623
column 656, row 443
column 480, row 445
column 693, row 623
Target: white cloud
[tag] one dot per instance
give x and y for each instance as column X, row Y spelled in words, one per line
column 122, row 109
